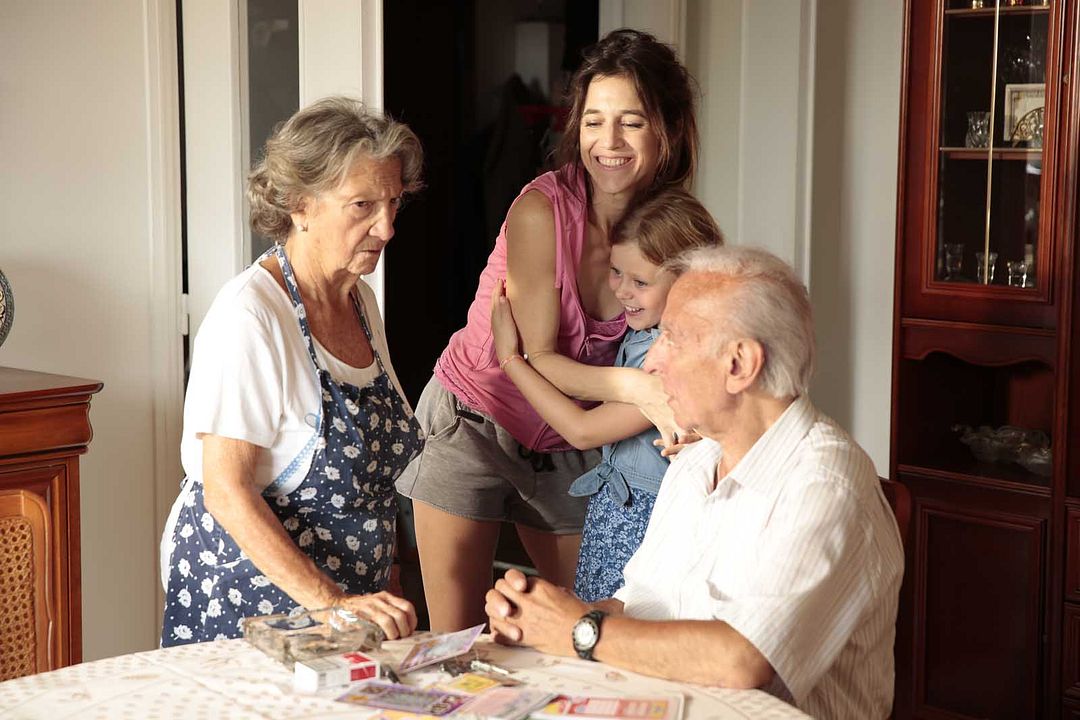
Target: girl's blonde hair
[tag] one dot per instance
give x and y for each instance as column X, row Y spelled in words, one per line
column 666, row 225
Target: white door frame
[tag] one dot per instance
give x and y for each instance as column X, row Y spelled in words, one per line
column 163, row 236
column 214, row 111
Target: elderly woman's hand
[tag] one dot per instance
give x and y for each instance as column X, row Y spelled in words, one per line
column 396, row 616
column 503, row 328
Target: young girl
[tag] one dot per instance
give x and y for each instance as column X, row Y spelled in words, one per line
column 623, row 487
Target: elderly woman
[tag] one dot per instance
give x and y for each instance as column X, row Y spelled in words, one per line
column 295, row 427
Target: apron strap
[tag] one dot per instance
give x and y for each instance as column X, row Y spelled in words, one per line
column 301, row 313
column 358, row 306
column 297, row 303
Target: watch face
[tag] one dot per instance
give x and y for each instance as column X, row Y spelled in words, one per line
column 585, row 633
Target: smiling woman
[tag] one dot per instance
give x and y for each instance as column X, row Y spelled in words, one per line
column 489, row 455
column 295, row 427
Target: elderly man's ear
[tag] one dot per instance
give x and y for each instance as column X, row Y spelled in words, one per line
column 743, row 364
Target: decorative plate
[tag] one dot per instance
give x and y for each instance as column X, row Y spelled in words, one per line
column 7, row 307
column 1029, row 129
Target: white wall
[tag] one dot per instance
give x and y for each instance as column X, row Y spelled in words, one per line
column 853, row 222
column 76, row 200
column 713, row 54
column 663, row 18
column 753, row 60
column 799, row 124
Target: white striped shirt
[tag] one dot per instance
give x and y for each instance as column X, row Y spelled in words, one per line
column 796, row 549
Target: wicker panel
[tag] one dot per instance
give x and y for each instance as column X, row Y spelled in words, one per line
column 18, row 636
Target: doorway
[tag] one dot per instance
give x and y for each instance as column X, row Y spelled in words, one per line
column 481, row 83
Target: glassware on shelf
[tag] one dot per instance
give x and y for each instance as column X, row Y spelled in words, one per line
column 984, row 444
column 1029, row 129
column 978, row 129
column 1037, row 460
column 1029, row 260
column 954, row 260
column 984, row 267
column 1017, row 273
column 1028, row 448
column 1024, row 59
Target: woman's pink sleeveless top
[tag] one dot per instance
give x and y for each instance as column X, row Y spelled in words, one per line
column 469, row 367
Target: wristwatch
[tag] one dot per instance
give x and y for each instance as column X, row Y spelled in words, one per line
column 586, row 633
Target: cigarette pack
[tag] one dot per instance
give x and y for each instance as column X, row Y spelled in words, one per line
column 333, row 670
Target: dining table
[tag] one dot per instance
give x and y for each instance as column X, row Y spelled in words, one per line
column 232, row 679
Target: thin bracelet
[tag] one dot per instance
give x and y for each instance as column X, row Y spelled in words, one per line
column 529, row 357
column 503, row 364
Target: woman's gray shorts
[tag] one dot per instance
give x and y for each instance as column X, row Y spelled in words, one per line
column 473, row 468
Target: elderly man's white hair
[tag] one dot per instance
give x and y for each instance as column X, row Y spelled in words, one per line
column 768, row 304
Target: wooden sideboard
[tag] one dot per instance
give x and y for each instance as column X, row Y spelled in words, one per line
column 44, row 427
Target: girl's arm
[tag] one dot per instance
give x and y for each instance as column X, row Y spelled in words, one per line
column 530, row 286
column 584, row 429
column 609, row 384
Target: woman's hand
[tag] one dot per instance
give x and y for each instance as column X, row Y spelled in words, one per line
column 503, row 328
column 396, row 616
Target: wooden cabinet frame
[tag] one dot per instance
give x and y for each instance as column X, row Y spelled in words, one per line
column 988, row 326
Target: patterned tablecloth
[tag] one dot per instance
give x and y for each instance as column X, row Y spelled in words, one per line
column 231, row 679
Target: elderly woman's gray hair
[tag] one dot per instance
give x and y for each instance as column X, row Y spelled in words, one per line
column 768, row 304
column 314, row 150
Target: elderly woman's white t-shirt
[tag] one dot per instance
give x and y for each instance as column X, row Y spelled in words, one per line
column 252, row 379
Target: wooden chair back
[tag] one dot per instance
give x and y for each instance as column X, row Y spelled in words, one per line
column 25, row 608
column 899, row 498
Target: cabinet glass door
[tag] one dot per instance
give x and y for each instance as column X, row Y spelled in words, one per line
column 991, row 135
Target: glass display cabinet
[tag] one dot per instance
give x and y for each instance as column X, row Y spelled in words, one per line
column 990, row 145
column 982, row 414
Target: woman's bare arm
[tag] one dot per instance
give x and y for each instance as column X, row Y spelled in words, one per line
column 530, row 272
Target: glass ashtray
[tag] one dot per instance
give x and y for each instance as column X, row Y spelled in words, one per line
column 311, row 634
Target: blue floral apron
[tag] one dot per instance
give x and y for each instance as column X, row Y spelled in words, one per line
column 343, row 514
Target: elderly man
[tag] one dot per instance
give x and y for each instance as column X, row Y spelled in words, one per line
column 772, row 558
